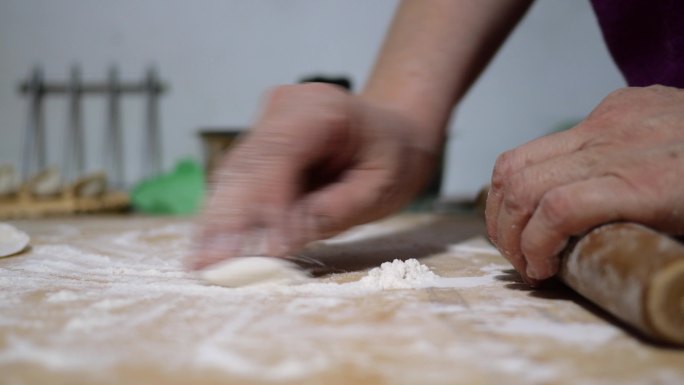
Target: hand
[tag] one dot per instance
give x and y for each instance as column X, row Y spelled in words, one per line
column 318, row 161
column 624, row 162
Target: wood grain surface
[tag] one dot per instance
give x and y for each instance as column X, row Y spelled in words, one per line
column 107, row 300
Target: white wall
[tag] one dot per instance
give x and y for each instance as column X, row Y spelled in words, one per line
column 554, row 68
column 219, row 55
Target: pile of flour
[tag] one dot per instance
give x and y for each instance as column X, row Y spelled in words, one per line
column 399, row 275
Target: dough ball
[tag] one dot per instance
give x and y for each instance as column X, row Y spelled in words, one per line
column 12, row 240
column 247, row 271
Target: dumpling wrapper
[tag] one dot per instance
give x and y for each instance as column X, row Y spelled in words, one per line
column 253, row 270
column 12, row 240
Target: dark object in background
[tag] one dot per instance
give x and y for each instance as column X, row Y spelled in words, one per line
column 216, row 142
column 341, row 81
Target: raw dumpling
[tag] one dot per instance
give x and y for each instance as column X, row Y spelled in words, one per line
column 244, row 271
column 12, row 240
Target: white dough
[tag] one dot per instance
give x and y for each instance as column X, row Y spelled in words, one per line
column 245, row 271
column 12, row 240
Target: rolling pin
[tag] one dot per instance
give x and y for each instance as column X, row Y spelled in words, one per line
column 632, row 272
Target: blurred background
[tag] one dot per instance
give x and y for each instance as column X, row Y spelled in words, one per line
column 218, row 57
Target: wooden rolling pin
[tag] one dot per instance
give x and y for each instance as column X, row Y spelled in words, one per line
column 634, row 273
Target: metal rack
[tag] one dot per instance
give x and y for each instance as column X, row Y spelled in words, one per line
column 37, row 88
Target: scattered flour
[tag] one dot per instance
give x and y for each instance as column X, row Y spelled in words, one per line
column 106, row 292
column 479, row 246
column 62, row 296
column 577, row 333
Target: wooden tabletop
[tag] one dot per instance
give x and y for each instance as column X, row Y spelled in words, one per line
column 102, row 300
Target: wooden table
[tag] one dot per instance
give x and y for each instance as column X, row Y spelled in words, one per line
column 106, row 300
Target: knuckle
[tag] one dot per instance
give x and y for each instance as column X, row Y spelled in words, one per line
column 596, row 120
column 334, row 118
column 517, row 198
column 315, row 91
column 279, row 93
column 630, row 95
column 613, row 103
column 619, row 93
column 275, row 145
column 593, row 159
column 307, row 91
column 276, row 140
column 554, row 207
column 253, row 155
column 658, row 88
column 317, row 88
column 502, row 169
column 305, row 107
column 658, row 93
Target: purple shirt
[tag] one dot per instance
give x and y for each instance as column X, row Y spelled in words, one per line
column 646, row 39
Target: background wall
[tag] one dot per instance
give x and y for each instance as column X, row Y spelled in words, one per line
column 220, row 55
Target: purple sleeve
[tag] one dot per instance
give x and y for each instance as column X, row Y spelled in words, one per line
column 645, row 38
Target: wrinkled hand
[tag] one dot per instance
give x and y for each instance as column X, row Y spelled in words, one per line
column 624, row 162
column 318, row 161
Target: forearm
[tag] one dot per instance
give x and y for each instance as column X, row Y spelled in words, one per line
column 434, row 51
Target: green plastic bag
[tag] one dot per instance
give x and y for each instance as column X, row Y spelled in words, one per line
column 180, row 192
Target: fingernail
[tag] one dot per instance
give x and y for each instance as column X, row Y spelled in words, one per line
column 532, row 272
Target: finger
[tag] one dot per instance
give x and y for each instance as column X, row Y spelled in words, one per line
column 572, row 210
column 252, row 190
column 259, row 177
column 523, row 191
column 512, row 161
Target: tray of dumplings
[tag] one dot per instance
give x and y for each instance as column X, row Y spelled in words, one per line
column 46, row 194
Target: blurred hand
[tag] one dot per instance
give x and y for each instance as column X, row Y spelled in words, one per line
column 624, row 162
column 318, row 161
